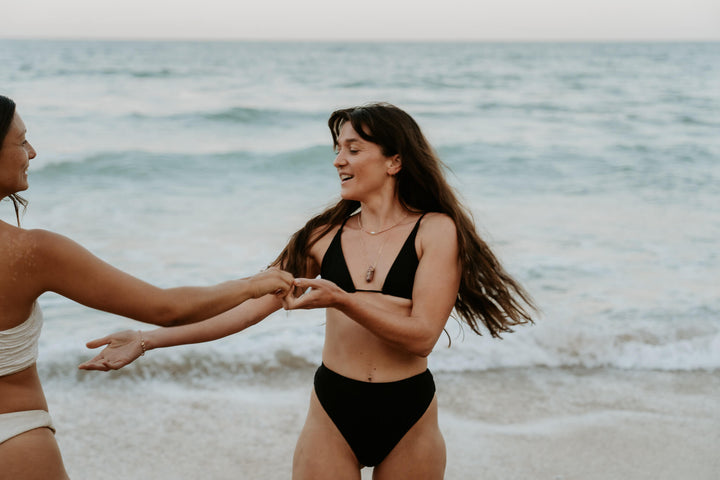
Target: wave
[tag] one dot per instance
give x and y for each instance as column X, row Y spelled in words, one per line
column 243, row 115
column 250, row 116
column 641, row 349
column 164, row 73
column 638, row 167
column 136, row 163
column 694, row 120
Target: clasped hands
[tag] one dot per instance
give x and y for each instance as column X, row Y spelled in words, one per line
column 313, row 293
column 122, row 348
column 301, row 293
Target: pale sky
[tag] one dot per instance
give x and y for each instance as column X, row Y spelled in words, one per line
column 364, row 19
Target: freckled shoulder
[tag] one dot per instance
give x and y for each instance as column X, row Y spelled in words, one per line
column 44, row 250
column 36, row 244
column 15, row 242
column 38, row 239
column 20, row 258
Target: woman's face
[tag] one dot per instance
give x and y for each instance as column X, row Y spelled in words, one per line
column 15, row 156
column 361, row 165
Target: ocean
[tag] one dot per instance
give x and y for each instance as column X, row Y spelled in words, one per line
column 592, row 170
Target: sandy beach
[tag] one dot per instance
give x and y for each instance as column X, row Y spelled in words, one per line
column 556, row 424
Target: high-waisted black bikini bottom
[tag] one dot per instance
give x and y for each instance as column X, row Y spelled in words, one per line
column 373, row 417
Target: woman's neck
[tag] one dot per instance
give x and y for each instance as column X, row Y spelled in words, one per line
column 375, row 218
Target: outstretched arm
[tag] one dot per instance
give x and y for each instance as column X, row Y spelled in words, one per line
column 124, row 347
column 60, row 265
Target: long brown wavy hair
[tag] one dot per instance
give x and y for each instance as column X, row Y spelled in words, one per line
column 7, row 113
column 487, row 293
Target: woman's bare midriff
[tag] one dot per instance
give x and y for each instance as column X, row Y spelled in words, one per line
column 22, row 391
column 354, row 352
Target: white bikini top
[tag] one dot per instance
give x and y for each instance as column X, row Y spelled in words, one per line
column 19, row 345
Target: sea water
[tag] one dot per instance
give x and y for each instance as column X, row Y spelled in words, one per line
column 592, row 170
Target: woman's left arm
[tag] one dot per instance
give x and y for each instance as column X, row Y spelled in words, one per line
column 435, row 290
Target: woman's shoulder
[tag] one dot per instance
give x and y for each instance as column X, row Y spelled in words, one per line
column 438, row 221
column 321, row 236
column 28, row 252
column 319, row 239
column 437, row 229
column 17, row 239
column 39, row 238
column 38, row 244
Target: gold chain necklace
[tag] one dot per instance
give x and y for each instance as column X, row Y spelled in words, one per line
column 370, row 273
column 384, row 229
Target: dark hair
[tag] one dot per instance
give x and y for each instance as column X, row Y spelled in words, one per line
column 7, row 113
column 487, row 292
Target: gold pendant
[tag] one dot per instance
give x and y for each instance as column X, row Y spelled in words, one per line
column 370, row 274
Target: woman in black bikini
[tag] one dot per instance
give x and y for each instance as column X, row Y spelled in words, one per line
column 396, row 255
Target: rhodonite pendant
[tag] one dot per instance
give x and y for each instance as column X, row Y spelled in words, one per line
column 369, row 274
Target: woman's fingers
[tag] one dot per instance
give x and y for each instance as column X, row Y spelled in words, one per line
column 96, row 363
column 98, row 342
column 287, row 282
column 304, row 282
column 273, row 280
column 310, row 289
column 292, row 302
column 104, row 364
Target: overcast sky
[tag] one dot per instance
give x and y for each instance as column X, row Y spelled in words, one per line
column 364, row 19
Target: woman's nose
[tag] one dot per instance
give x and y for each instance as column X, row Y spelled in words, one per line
column 31, row 152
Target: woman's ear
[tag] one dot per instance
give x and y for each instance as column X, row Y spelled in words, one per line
column 394, row 165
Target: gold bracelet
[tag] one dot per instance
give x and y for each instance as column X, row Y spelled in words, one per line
column 142, row 344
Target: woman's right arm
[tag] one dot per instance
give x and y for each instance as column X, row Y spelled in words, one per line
column 124, row 347
column 60, row 265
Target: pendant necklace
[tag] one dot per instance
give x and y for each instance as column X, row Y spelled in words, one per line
column 370, row 273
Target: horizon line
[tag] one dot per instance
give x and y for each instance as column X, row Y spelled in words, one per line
column 360, row 40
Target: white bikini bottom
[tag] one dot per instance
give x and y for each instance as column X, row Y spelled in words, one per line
column 15, row 423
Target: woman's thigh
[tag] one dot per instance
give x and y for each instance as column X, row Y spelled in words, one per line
column 321, row 451
column 420, row 454
column 33, row 455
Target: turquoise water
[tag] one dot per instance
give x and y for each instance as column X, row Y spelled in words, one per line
column 592, row 169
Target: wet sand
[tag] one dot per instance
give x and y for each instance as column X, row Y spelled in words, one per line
column 556, row 424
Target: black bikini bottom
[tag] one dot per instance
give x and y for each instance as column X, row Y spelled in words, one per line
column 373, row 417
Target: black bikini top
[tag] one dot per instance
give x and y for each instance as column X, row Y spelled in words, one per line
column 399, row 280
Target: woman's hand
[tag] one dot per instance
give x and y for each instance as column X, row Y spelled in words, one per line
column 122, row 348
column 321, row 294
column 273, row 280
